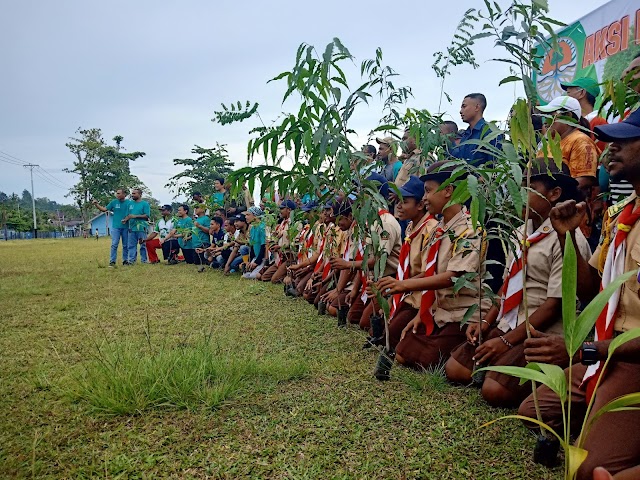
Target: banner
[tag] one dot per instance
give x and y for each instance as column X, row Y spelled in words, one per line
column 600, row 45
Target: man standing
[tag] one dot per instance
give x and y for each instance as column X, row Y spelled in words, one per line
column 201, row 239
column 138, row 219
column 119, row 207
column 471, row 112
column 158, row 238
column 385, row 154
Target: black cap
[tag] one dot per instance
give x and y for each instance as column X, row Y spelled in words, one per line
column 166, row 207
column 546, row 167
column 441, row 172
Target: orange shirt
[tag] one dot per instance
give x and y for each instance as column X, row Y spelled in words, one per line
column 593, row 123
column 580, row 153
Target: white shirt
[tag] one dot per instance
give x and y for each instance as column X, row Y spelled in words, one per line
column 163, row 227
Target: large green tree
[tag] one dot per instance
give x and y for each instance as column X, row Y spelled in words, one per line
column 102, row 168
column 200, row 172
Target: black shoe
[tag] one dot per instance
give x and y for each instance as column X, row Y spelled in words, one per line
column 173, row 261
column 373, row 342
column 112, row 264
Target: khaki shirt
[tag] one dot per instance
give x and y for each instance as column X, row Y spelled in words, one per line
column 628, row 314
column 418, row 256
column 459, row 252
column 391, row 241
column 410, row 166
column 544, row 272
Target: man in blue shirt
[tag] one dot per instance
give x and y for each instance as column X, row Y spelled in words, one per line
column 119, row 208
column 471, row 112
column 138, row 220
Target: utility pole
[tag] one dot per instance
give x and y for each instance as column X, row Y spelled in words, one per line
column 31, row 166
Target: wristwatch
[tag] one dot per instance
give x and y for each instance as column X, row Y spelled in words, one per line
column 588, row 354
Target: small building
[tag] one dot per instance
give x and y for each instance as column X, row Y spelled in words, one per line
column 102, row 223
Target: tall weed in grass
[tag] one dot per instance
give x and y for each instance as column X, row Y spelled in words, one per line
column 130, row 376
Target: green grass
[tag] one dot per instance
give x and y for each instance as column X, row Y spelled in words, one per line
column 157, row 371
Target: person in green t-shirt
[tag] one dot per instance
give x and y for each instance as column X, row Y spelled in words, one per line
column 138, row 219
column 119, row 208
column 183, row 231
column 201, row 237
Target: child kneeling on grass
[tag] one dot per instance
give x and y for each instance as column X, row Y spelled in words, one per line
column 504, row 329
column 454, row 248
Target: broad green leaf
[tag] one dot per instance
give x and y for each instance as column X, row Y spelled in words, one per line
column 587, row 319
column 569, row 286
column 575, row 456
column 528, row 374
column 622, row 339
column 620, row 404
column 555, row 375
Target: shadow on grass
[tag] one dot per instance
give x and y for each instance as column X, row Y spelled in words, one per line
column 130, row 376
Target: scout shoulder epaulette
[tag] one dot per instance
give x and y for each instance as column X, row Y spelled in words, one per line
column 614, row 210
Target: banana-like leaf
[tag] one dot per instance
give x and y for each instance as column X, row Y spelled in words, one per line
column 569, row 287
column 530, row 373
column 622, row 339
column 575, row 457
column 587, row 319
column 620, row 404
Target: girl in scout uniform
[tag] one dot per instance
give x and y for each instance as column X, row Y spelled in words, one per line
column 453, row 249
column 504, row 329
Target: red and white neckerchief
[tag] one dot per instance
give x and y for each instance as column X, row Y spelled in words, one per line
column 429, row 296
column 513, row 284
column 323, row 265
column 404, row 264
column 303, row 240
column 281, row 230
column 613, row 268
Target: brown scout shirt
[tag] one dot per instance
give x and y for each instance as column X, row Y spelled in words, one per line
column 459, row 252
column 418, row 257
column 628, row 315
column 409, row 167
column 544, row 272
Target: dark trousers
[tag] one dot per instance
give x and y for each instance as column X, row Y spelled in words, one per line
column 612, row 442
column 189, row 255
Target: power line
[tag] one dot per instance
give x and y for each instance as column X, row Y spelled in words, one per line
column 50, row 182
column 55, row 179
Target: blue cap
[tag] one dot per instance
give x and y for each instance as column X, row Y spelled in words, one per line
column 384, row 184
column 310, row 206
column 413, row 188
column 288, row 204
column 627, row 129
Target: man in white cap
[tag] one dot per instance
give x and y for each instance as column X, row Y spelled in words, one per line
column 579, row 151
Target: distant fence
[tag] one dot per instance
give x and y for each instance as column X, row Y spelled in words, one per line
column 29, row 235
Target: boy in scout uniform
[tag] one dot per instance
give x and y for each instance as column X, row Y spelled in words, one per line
column 612, row 441
column 404, row 308
column 278, row 270
column 453, row 249
column 504, row 328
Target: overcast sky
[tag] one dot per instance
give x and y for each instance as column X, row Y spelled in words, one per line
column 154, row 71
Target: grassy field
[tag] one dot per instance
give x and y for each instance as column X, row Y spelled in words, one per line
column 80, row 341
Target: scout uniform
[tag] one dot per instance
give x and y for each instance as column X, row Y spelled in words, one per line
column 390, row 242
column 411, row 262
column 458, row 250
column 544, row 280
column 612, row 441
column 316, row 234
column 278, row 270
